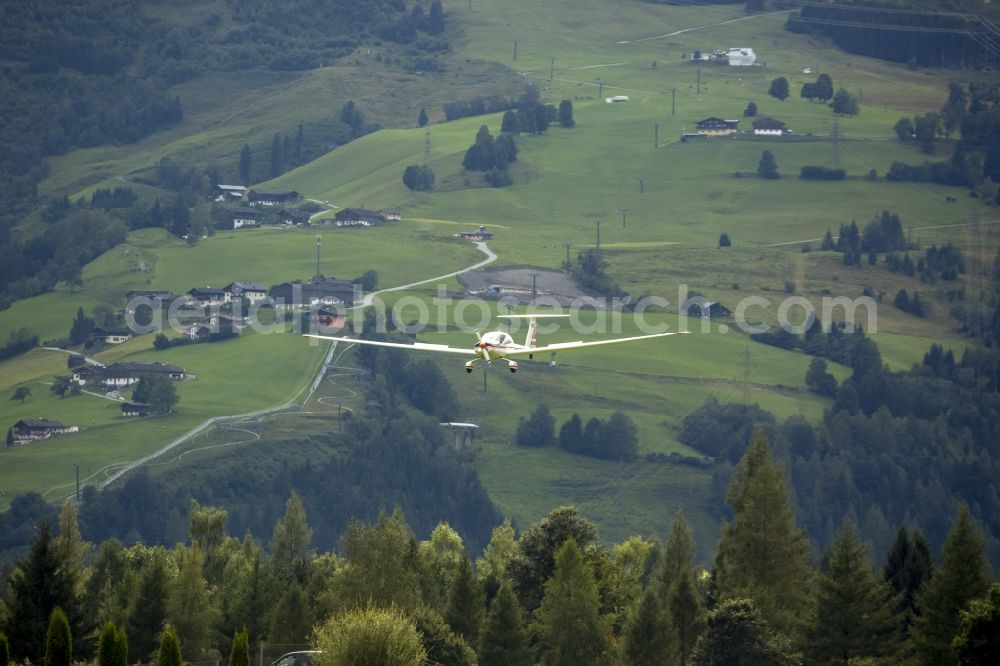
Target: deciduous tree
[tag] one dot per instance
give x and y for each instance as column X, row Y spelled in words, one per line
column 737, row 633
column 779, row 88
column 370, row 636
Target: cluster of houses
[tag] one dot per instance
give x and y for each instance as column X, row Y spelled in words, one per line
column 256, row 206
column 736, row 56
column 721, row 127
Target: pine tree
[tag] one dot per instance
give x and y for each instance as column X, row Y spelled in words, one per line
column 854, row 617
column 762, row 555
column 149, row 610
column 465, row 604
column 505, row 638
column 58, row 640
column 571, row 628
column 170, row 649
column 239, row 654
column 422, row 118
column 961, row 578
column 38, row 585
column 649, row 637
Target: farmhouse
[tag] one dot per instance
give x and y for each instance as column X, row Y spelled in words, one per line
column 110, row 336
column 229, row 192
column 251, row 291
column 242, row 216
column 88, row 374
column 363, row 217
column 706, row 309
column 769, row 127
column 325, row 291
column 135, row 409
column 127, row 373
column 717, row 127
column 207, row 296
column 293, row 217
column 742, row 57
column 29, row 429
column 262, row 197
column 152, row 298
column 480, row 234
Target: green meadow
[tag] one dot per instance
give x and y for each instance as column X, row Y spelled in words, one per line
column 679, row 196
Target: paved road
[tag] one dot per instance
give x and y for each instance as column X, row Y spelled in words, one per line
column 490, row 258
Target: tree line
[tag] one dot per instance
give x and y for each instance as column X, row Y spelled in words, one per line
column 615, row 438
column 553, row 593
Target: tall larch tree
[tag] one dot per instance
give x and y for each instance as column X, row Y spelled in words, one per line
column 71, row 549
column 762, row 555
column 961, row 578
column 290, row 552
column 58, row 640
column 492, row 565
column 505, row 639
column 854, row 618
column 572, row 631
column 189, row 604
column 465, row 604
column 678, row 591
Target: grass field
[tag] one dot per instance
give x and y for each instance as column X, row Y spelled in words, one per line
column 565, row 183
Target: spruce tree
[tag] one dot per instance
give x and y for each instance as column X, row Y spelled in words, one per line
column 853, row 618
column 38, row 585
column 291, row 620
column 908, row 566
column 649, row 638
column 505, row 638
column 566, row 113
column 170, row 649
column 10, row 437
column 767, row 167
column 239, row 654
column 58, row 640
column 246, row 164
column 961, row 578
column 422, row 118
column 762, row 555
column 571, row 628
column 465, row 604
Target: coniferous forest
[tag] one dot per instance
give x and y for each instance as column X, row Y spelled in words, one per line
column 552, row 594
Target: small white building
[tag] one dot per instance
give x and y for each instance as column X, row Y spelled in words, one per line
column 742, row 57
column 617, row 99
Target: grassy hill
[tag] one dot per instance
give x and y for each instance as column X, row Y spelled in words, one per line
column 565, row 182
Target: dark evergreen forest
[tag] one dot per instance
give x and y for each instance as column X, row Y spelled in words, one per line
column 928, row 38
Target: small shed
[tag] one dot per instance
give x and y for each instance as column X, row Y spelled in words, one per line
column 480, row 234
